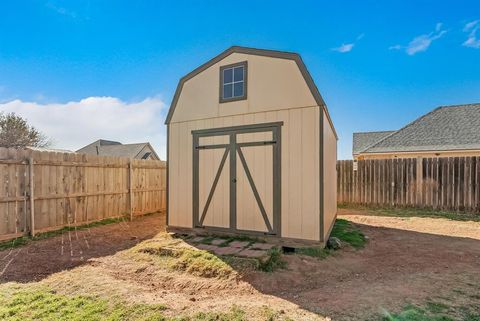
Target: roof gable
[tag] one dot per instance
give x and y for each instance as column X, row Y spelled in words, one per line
column 252, row 51
column 445, row 128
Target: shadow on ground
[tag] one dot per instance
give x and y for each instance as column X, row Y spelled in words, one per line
column 39, row 259
column 396, row 267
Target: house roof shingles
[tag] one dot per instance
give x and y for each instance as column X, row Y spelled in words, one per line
column 104, row 147
column 445, row 128
column 361, row 141
column 123, row 150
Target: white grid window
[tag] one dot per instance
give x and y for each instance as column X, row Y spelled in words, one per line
column 233, row 82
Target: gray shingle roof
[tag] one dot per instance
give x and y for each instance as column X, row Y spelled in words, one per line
column 111, row 148
column 445, row 128
column 363, row 140
column 123, row 150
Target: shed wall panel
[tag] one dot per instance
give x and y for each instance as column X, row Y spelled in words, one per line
column 330, row 176
column 300, row 164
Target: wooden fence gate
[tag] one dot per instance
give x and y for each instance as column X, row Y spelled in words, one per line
column 42, row 191
column 449, row 183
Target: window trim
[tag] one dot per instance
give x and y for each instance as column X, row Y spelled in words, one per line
column 243, row 64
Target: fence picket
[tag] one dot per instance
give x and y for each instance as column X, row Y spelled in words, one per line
column 449, row 183
column 74, row 189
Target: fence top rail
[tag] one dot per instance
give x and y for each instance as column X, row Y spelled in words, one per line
column 13, row 162
column 81, row 164
column 20, row 156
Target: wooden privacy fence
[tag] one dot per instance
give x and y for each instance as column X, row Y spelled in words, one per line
column 42, row 191
column 450, row 183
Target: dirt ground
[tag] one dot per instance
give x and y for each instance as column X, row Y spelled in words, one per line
column 42, row 258
column 406, row 260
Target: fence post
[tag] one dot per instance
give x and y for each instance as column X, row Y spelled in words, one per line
column 419, row 180
column 130, row 188
column 31, row 196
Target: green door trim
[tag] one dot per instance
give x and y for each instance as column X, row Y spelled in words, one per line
column 231, row 150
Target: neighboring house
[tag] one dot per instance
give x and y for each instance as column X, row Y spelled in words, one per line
column 251, row 150
column 104, row 147
column 447, row 131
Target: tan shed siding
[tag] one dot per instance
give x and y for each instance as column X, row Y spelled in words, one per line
column 300, row 169
column 330, row 176
column 273, row 84
column 209, row 161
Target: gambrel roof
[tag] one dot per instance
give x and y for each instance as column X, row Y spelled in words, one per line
column 259, row 52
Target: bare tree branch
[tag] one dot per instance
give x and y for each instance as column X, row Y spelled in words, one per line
column 16, row 132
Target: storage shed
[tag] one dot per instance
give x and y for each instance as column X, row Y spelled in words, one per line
column 251, row 149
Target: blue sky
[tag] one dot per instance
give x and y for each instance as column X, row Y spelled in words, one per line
column 378, row 64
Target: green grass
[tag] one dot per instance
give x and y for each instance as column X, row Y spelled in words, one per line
column 201, row 263
column 344, row 230
column 175, row 254
column 348, row 233
column 196, row 262
column 43, row 304
column 20, row 241
column 29, row 303
column 414, row 212
column 436, row 311
column 205, row 264
column 38, row 303
column 235, row 314
column 273, row 262
column 318, row 252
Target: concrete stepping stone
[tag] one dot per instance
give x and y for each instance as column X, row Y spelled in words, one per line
column 217, row 241
column 198, row 239
column 239, row 244
column 262, row 246
column 252, row 253
column 228, row 250
column 207, row 247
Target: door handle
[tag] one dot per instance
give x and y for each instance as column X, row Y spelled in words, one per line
column 234, row 180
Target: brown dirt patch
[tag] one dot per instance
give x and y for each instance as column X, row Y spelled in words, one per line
column 437, row 226
column 405, row 261
column 42, row 258
column 399, row 265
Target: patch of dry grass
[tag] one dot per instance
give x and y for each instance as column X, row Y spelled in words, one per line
column 175, row 254
column 163, row 278
column 33, row 302
column 195, row 262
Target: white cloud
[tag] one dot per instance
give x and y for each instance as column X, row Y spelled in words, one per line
column 347, row 47
column 422, row 42
column 75, row 124
column 395, row 47
column 61, row 10
column 472, row 40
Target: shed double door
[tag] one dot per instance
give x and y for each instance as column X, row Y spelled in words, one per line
column 236, row 178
